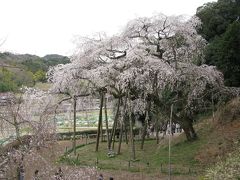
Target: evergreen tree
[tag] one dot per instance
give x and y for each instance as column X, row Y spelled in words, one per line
column 220, row 27
column 224, row 52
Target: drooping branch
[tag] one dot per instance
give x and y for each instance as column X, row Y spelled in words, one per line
column 116, row 54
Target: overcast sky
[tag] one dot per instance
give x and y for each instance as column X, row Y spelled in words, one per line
column 48, row 26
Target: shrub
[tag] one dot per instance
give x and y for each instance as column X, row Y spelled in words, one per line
column 226, row 170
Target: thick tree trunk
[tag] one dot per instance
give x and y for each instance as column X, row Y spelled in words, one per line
column 126, row 133
column 157, row 135
column 114, row 124
column 145, row 125
column 114, row 136
column 187, row 132
column 133, row 153
column 122, row 125
column 74, row 123
column 99, row 120
column 132, row 137
column 120, row 139
column 106, row 119
column 144, row 132
column 193, row 132
column 188, row 129
column 101, row 131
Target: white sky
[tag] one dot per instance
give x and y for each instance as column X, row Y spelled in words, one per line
column 48, row 26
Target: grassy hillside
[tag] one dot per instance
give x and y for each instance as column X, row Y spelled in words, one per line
column 25, row 69
column 152, row 159
column 227, row 165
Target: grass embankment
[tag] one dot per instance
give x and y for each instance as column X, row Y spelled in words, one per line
column 154, row 157
column 228, row 146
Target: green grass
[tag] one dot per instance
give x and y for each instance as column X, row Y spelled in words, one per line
column 154, row 157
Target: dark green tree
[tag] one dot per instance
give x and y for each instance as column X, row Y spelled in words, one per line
column 224, row 52
column 40, row 75
column 6, row 81
column 220, row 27
column 217, row 16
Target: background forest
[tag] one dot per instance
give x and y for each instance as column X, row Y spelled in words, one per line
column 221, row 28
column 25, row 69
